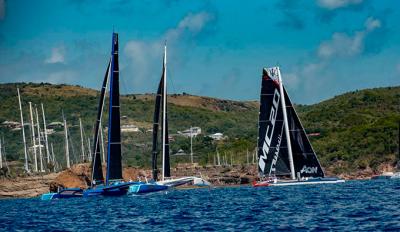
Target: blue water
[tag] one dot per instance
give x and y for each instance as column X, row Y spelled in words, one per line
column 354, row 205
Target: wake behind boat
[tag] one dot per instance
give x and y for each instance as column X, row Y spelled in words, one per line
column 283, row 146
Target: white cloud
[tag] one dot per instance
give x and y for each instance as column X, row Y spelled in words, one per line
column 344, row 45
column 143, row 54
column 371, row 24
column 192, row 23
column 2, row 9
column 335, row 4
column 140, row 55
column 57, row 55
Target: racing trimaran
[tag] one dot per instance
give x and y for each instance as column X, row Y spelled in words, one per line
column 285, row 155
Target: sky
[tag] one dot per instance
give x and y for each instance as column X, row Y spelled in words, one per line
column 215, row 48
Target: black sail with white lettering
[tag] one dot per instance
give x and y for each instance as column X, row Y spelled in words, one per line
column 304, row 158
column 272, row 149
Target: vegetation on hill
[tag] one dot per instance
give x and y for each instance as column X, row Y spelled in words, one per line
column 358, row 130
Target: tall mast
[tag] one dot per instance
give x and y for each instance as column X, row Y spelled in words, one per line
column 39, row 140
column 90, row 156
column 1, row 157
column 45, row 135
column 218, row 158
column 164, row 108
column 4, row 154
column 23, row 132
column 53, row 158
column 66, row 142
column 33, row 137
column 286, row 124
column 191, row 145
column 82, row 147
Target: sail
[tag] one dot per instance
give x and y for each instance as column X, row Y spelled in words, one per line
column 156, row 123
column 114, row 165
column 97, row 171
column 304, row 158
column 272, row 146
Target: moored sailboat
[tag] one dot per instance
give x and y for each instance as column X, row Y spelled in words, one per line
column 285, row 155
column 166, row 181
column 113, row 184
column 153, row 186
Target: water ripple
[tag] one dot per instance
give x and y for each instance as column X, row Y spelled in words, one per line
column 354, row 205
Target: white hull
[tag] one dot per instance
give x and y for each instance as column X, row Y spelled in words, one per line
column 288, row 183
column 196, row 181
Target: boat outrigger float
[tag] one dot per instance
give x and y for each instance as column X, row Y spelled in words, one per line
column 285, row 155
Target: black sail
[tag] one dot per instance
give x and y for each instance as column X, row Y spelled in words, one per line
column 114, row 165
column 97, row 171
column 156, row 123
column 304, row 158
column 159, row 104
column 272, row 149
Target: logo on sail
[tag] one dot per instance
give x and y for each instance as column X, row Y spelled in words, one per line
column 273, row 73
column 270, row 130
column 309, row 170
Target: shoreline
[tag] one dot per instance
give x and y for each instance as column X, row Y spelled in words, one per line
column 35, row 185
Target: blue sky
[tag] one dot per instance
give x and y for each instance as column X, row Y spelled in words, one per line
column 215, row 48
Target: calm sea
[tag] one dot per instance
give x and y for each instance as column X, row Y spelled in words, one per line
column 354, row 205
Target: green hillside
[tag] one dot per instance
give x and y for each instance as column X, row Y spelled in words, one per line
column 358, row 130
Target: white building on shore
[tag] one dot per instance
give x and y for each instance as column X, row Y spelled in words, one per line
column 217, row 136
column 191, row 132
